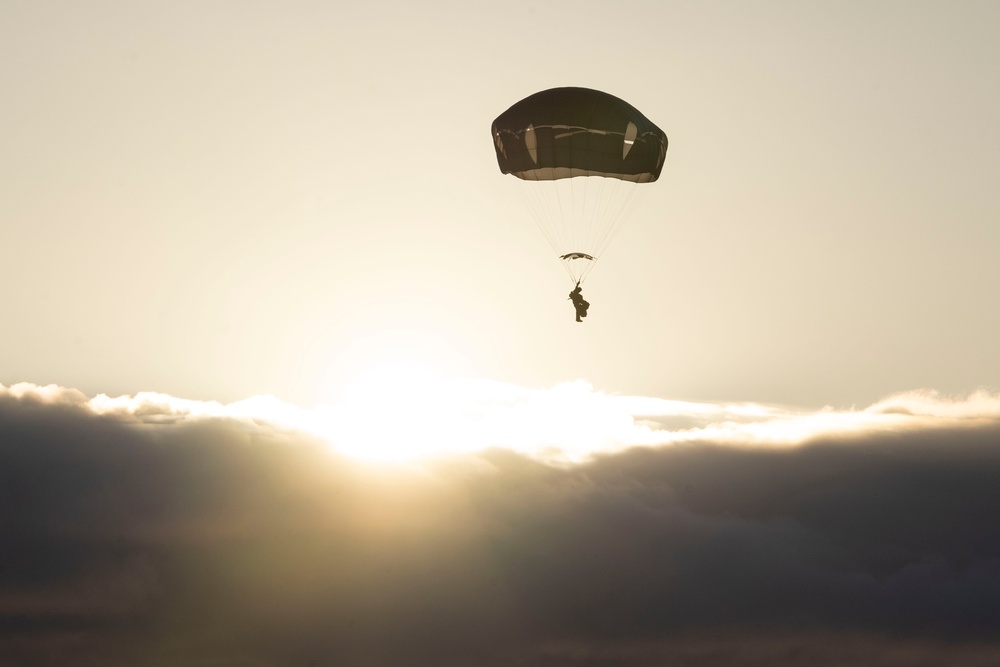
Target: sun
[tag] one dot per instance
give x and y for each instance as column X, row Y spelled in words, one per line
column 402, row 397
column 407, row 410
column 390, row 394
column 398, row 411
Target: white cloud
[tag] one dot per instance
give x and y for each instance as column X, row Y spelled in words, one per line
column 571, row 422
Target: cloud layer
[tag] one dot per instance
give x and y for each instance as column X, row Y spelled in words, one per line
column 152, row 530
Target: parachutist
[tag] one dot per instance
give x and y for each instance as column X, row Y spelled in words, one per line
column 576, row 296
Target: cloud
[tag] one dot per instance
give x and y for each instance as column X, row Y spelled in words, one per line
column 159, row 531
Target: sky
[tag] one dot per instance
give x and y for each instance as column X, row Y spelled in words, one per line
column 224, row 200
column 287, row 368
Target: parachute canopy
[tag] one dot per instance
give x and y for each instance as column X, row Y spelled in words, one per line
column 581, row 156
column 566, row 132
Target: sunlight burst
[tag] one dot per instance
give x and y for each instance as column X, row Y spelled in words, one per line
column 398, row 411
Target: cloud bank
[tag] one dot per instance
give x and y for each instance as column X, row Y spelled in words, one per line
column 157, row 531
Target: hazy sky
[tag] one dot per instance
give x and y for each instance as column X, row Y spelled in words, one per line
column 219, row 200
column 288, row 375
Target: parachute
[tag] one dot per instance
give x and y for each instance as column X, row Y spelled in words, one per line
column 580, row 155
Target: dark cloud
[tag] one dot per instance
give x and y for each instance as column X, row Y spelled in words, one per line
column 150, row 537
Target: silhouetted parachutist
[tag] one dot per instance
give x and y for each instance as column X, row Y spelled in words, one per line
column 576, row 296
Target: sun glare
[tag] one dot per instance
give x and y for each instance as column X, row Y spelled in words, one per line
column 401, row 410
column 397, row 411
column 390, row 393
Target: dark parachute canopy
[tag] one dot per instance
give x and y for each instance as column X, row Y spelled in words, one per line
column 569, row 143
column 567, row 132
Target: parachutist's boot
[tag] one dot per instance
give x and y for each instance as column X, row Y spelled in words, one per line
column 578, row 319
